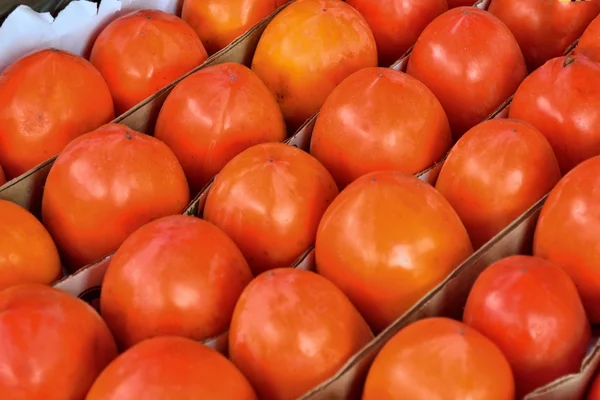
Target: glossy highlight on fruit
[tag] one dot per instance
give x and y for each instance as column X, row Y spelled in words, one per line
column 143, row 51
column 538, row 304
column 27, row 252
column 494, row 173
column 218, row 22
column 568, row 231
column 387, row 240
column 307, row 50
column 397, row 24
column 171, row 368
column 105, row 185
column 439, row 358
column 468, row 72
column 51, row 343
column 213, row 115
column 297, row 319
column 47, row 99
column 545, row 28
column 178, row 275
column 269, row 199
column 561, row 100
column 379, row 119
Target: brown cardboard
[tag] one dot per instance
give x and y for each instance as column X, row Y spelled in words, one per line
column 26, row 190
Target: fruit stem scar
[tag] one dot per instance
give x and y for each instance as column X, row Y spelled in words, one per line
column 373, row 179
column 568, row 61
column 54, row 50
column 232, row 78
column 380, row 75
column 127, row 136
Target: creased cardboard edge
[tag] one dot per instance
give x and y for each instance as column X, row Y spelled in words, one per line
column 13, row 189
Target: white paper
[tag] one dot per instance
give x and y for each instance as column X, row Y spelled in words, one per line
column 74, row 29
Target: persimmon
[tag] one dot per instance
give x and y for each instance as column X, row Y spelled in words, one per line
column 2, row 176
column 27, row 252
column 219, row 22
column 545, row 28
column 171, row 368
column 494, row 173
column 568, row 231
column 470, row 74
column 143, row 51
column 159, row 263
column 545, row 99
column 538, row 304
column 307, row 50
column 291, row 330
column 460, row 3
column 397, row 24
column 214, row 114
column 269, row 199
column 106, row 184
column 47, row 99
column 439, row 358
column 379, row 119
column 387, row 240
column 594, row 393
column 52, row 345
column 589, row 42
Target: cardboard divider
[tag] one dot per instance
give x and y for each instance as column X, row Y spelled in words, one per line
column 26, row 190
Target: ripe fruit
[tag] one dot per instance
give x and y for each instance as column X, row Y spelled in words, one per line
column 171, row 368
column 218, row 22
column 379, row 119
column 178, row 275
column 543, row 28
column 105, row 185
column 589, row 43
column 269, row 199
column 594, row 393
column 47, row 99
column 27, row 252
column 291, row 330
column 52, row 345
column 538, row 304
column 143, row 51
column 560, row 99
column 215, row 114
column 307, row 50
column 483, row 73
column 439, row 358
column 494, row 173
column 397, row 24
column 2, row 177
column 386, row 241
column 568, row 231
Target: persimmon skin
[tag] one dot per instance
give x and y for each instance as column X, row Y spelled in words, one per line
column 128, row 179
column 2, row 177
column 47, row 99
column 494, row 173
column 397, row 24
column 173, row 254
column 143, row 51
column 307, row 50
column 588, row 44
column 379, row 119
column 439, row 358
column 218, row 22
column 594, row 393
column 269, row 199
column 171, row 368
column 313, row 329
column 568, row 230
column 213, row 115
column 545, row 99
column 52, row 344
column 430, row 245
column 538, row 304
column 27, row 252
column 484, row 73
